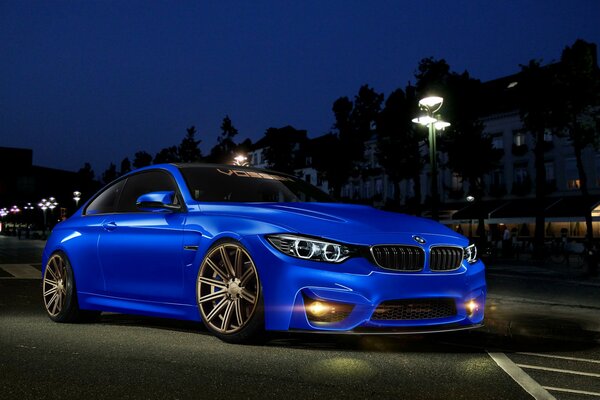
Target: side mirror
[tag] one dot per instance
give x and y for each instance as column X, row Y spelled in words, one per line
column 156, row 201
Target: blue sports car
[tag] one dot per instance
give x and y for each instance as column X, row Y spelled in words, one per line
column 247, row 251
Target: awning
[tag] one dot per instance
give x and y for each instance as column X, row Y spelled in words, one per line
column 556, row 209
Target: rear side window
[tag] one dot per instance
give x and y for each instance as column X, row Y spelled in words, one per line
column 142, row 183
column 107, row 201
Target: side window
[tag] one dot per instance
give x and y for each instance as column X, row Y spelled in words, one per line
column 107, row 201
column 145, row 182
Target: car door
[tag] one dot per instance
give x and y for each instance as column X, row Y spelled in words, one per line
column 85, row 255
column 140, row 251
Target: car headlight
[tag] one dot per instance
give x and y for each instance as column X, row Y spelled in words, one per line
column 309, row 248
column 471, row 253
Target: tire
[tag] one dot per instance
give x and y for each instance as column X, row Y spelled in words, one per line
column 229, row 294
column 59, row 292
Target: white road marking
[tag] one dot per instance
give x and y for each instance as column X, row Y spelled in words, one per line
column 21, row 271
column 560, row 357
column 562, row 371
column 518, row 375
column 572, row 391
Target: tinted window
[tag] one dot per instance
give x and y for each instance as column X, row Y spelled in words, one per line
column 106, row 202
column 142, row 183
column 210, row 184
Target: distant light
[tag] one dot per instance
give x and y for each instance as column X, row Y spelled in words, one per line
column 470, row 199
column 240, row 160
column 512, row 85
column 424, row 120
column 431, row 101
column 441, row 125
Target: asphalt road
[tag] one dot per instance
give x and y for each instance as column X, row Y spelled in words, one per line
column 138, row 357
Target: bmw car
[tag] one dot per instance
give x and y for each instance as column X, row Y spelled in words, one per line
column 248, row 251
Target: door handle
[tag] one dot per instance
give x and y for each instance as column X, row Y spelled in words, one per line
column 109, row 226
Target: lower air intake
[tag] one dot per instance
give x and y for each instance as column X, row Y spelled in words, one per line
column 406, row 310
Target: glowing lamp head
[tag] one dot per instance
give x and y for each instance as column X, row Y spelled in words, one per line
column 424, row 120
column 431, row 102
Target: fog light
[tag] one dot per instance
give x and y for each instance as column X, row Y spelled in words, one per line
column 471, row 307
column 318, row 309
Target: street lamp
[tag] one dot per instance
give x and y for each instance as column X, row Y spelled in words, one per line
column 429, row 106
column 76, row 197
column 470, row 199
column 52, row 206
column 240, row 160
column 44, row 204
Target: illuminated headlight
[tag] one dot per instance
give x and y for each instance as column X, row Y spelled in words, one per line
column 471, row 253
column 310, row 249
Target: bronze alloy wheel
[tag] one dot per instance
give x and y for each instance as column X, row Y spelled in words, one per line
column 55, row 285
column 228, row 289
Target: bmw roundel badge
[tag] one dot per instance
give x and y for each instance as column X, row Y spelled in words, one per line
column 419, row 239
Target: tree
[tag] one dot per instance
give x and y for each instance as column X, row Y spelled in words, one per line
column 86, row 173
column 355, row 123
column 537, row 98
column 110, row 174
column 142, row 159
column 398, row 144
column 323, row 151
column 578, row 87
column 469, row 153
column 223, row 151
column 281, row 146
column 86, row 182
column 167, row 155
column 188, row 149
column 125, row 166
column 343, row 159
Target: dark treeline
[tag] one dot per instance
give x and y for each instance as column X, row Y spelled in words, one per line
column 561, row 98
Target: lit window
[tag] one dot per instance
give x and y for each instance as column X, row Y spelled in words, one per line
column 548, row 136
column 572, row 174
column 519, row 138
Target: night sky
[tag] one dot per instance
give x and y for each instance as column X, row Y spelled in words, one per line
column 99, row 80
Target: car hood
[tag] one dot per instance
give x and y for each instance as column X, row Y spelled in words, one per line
column 349, row 223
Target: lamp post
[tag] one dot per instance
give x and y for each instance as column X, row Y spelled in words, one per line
column 76, row 197
column 429, row 106
column 44, row 204
column 470, row 199
column 52, row 205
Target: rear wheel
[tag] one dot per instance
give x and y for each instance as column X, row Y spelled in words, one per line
column 229, row 294
column 59, row 294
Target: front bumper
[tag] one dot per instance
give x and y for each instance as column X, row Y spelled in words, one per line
column 289, row 283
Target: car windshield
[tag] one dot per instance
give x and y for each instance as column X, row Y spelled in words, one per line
column 224, row 184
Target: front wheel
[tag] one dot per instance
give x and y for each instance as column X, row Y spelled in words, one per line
column 59, row 294
column 229, row 294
